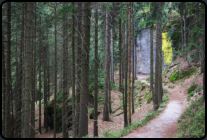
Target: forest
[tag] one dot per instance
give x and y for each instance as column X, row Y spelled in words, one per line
column 103, row 69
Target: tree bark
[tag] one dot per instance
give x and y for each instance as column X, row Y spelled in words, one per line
column 95, row 132
column 151, row 59
column 133, row 50
column 40, row 85
column 129, row 63
column 32, row 83
column 83, row 126
column 55, row 82
column 106, row 85
column 185, row 41
column 73, row 73
column 28, row 85
column 112, row 64
column 64, row 88
column 120, row 57
column 8, row 74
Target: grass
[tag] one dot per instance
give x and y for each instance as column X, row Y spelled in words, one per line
column 171, row 86
column 181, row 74
column 192, row 90
column 192, row 121
column 124, row 131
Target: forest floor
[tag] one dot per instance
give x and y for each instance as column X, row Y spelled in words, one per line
column 163, row 126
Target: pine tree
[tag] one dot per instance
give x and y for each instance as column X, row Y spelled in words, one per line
column 78, row 68
column 55, row 71
column 28, row 88
column 8, row 74
column 96, row 74
column 83, row 121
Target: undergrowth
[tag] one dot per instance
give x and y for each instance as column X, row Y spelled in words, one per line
column 192, row 121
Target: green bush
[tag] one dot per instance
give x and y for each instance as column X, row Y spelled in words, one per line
column 173, row 77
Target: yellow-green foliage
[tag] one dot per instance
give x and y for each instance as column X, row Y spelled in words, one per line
column 167, row 49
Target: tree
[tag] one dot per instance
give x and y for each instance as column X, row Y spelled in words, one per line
column 95, row 133
column 106, row 85
column 125, row 75
column 83, row 121
column 64, row 88
column 151, row 59
column 40, row 85
column 32, row 83
column 73, row 73
column 129, row 63
column 78, row 68
column 8, row 74
column 184, row 38
column 112, row 64
column 157, row 93
column 28, row 88
column 133, row 57
column 120, row 56
column 55, row 71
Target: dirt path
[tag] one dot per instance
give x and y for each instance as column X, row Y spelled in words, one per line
column 164, row 125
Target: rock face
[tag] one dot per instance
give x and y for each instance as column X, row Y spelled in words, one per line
column 143, row 52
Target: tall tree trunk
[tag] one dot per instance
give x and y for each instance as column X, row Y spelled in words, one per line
column 32, row 127
column 106, row 85
column 64, row 88
column 83, row 126
column 129, row 63
column 3, row 87
column 112, row 64
column 120, row 56
column 185, row 41
column 126, row 76
column 28, row 85
column 55, row 82
column 196, row 42
column 8, row 74
column 109, row 67
column 95, row 128
column 151, row 59
column 79, row 48
column 73, row 73
column 133, row 50
column 40, row 84
column 181, row 23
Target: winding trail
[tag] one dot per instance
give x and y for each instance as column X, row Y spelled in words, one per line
column 165, row 124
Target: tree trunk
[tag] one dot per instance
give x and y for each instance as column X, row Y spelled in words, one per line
column 181, row 20
column 112, row 64
column 125, row 75
column 28, row 85
column 83, row 126
column 40, row 85
column 95, row 127
column 8, row 74
column 33, row 85
column 185, row 41
column 196, row 42
column 106, row 85
column 3, row 87
column 64, row 88
column 79, row 48
column 133, row 50
column 129, row 63
column 73, row 73
column 55, row 82
column 151, row 59
column 120, row 56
